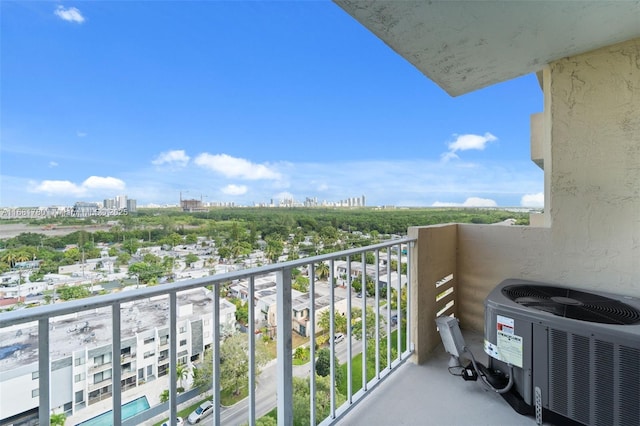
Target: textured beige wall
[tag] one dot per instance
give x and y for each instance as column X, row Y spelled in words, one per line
column 590, row 236
column 592, row 173
column 434, row 257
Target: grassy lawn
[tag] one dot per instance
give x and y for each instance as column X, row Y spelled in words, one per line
column 356, row 366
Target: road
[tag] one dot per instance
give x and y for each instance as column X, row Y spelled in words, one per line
column 266, row 401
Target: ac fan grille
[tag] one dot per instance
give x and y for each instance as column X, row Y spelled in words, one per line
column 573, row 304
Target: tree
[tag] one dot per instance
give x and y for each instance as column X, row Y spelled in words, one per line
column 323, row 364
column 242, row 311
column 339, row 322
column 164, row 395
column 234, row 362
column 73, row 255
column 123, row 258
column 151, row 259
column 322, row 271
column 58, row 419
column 191, row 239
column 73, row 292
column 266, row 421
column 182, row 372
column 370, row 323
column 190, row 259
column 274, row 249
column 302, row 399
column 131, row 246
column 300, row 283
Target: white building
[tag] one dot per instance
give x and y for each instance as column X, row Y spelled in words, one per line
column 82, row 358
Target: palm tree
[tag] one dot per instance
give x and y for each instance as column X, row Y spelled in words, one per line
column 182, row 372
column 322, row 271
column 9, row 257
column 58, row 419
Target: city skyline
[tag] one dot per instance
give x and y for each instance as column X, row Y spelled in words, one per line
column 243, row 103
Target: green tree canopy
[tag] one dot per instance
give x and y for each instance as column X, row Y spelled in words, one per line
column 302, row 399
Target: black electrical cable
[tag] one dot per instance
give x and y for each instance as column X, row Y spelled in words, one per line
column 489, row 386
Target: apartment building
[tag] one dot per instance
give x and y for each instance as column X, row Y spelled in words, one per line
column 82, row 358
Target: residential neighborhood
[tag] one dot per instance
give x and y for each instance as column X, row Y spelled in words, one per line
column 81, row 354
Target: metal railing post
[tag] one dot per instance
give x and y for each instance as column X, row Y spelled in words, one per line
column 284, row 348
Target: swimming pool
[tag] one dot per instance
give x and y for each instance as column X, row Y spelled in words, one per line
column 129, row 409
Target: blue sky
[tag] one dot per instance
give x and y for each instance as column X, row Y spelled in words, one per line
column 243, row 102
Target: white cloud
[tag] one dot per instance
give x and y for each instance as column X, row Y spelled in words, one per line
column 53, row 164
column 469, row 202
column 55, row 187
column 467, row 142
column 176, row 157
column 235, row 189
column 70, row 14
column 65, row 187
column 533, row 200
column 98, row 182
column 232, row 167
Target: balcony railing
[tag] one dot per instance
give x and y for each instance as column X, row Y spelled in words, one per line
column 380, row 337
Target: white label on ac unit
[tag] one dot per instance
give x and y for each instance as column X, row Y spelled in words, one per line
column 506, row 325
column 509, row 348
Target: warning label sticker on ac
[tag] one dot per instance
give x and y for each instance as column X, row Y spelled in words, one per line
column 509, row 348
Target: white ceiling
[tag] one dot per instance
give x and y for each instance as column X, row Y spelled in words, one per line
column 465, row 45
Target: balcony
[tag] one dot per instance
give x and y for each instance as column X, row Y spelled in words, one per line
column 116, row 304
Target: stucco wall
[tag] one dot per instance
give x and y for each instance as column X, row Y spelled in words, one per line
column 590, row 237
column 595, row 182
column 592, row 115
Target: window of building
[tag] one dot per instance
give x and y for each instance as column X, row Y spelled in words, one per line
column 183, row 342
column 149, row 370
column 35, row 375
column 79, row 361
column 79, row 396
column 35, row 393
column 149, row 340
column 164, row 339
column 149, row 354
column 79, row 377
column 141, row 373
column 183, row 329
column 102, row 359
column 102, row 376
column 163, row 370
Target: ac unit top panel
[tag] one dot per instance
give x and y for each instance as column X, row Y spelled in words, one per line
column 582, row 311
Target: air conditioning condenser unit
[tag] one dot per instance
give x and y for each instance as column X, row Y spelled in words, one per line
column 574, row 353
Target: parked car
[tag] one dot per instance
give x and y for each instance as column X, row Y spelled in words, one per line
column 179, row 422
column 201, row 412
column 394, row 320
column 338, row 338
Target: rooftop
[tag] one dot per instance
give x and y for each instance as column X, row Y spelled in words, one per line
column 92, row 329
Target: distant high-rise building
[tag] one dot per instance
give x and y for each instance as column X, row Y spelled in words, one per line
column 132, row 205
column 109, row 203
column 121, row 202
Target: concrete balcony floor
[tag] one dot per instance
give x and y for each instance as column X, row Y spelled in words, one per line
column 428, row 395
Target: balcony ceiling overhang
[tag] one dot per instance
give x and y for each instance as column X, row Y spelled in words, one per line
column 466, row 45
